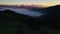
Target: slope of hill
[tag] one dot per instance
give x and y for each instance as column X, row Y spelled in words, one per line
column 53, row 16
column 10, row 19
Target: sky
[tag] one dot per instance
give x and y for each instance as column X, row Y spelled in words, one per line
column 29, row 2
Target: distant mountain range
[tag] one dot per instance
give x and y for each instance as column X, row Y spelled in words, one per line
column 23, row 6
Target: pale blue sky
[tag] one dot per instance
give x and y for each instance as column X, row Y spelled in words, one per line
column 44, row 2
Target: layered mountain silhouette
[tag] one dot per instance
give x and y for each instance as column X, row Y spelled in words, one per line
column 51, row 19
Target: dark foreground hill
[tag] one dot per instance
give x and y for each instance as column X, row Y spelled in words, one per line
column 52, row 17
column 10, row 18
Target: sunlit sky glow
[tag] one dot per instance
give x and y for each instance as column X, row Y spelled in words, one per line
column 28, row 2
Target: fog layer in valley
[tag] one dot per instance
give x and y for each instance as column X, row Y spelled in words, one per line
column 24, row 11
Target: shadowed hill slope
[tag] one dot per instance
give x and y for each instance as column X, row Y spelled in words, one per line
column 9, row 19
column 53, row 16
column 8, row 15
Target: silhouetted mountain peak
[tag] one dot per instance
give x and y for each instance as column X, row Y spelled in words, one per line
column 53, row 9
column 57, row 6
